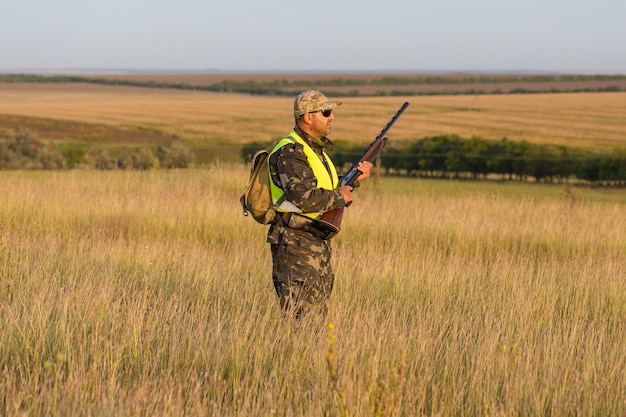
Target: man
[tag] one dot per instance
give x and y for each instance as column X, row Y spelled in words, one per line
column 305, row 183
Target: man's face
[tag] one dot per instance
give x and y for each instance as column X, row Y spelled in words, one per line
column 321, row 123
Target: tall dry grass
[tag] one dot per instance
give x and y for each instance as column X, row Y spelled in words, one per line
column 148, row 293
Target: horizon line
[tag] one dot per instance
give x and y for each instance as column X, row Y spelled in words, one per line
column 191, row 71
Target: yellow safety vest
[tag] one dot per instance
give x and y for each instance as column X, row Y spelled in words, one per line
column 325, row 180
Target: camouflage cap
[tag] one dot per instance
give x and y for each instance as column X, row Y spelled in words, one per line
column 311, row 101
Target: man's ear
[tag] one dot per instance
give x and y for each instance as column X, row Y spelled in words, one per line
column 307, row 118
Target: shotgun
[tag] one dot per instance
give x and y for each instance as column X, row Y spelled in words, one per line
column 331, row 220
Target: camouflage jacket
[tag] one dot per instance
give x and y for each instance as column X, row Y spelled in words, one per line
column 291, row 171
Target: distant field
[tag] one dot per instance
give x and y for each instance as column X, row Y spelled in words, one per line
column 410, row 83
column 65, row 112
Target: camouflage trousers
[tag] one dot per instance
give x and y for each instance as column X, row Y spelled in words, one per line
column 302, row 273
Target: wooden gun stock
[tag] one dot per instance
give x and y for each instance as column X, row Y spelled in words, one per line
column 331, row 221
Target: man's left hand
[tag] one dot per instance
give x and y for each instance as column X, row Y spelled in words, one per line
column 366, row 168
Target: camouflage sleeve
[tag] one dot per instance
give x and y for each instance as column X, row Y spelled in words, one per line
column 291, row 171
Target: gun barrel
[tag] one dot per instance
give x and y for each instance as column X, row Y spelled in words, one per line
column 372, row 151
column 393, row 120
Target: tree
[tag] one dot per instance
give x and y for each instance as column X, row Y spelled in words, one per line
column 476, row 153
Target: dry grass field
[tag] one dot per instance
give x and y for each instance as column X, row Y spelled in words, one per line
column 148, row 294
column 594, row 121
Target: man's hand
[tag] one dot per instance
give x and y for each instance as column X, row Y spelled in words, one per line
column 366, row 168
column 346, row 192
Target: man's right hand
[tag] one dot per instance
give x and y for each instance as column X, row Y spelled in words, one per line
column 346, row 192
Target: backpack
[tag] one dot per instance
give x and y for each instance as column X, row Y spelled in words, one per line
column 257, row 199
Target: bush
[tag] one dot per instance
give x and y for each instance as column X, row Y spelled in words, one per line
column 175, row 156
column 23, row 150
column 144, row 159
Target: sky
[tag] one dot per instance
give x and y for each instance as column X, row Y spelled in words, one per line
column 575, row 36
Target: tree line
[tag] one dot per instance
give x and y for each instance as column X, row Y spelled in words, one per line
column 444, row 156
column 450, row 156
column 285, row 87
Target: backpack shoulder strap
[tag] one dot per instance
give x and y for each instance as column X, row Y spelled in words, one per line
column 283, row 197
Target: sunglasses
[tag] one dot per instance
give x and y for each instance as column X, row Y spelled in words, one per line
column 325, row 113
